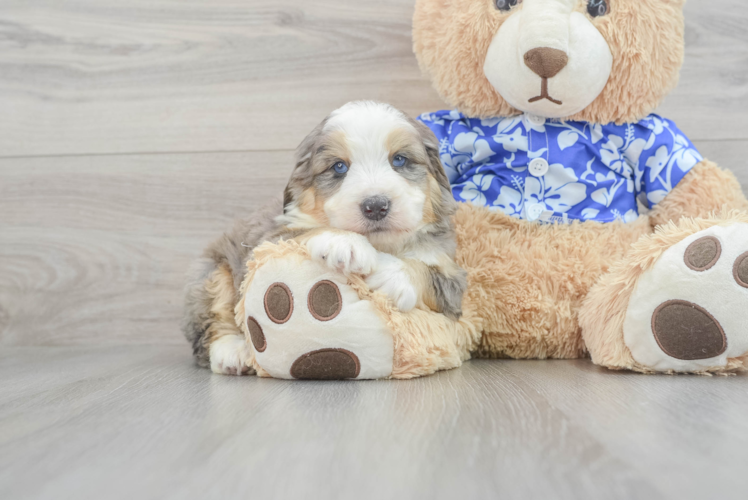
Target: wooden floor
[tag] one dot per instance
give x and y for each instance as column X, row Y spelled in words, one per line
column 144, row 422
column 132, row 133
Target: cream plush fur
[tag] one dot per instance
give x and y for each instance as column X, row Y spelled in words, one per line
column 567, row 290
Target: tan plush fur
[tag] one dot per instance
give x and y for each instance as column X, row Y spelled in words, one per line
column 604, row 311
column 451, row 39
column 425, row 342
column 527, row 281
column 704, row 190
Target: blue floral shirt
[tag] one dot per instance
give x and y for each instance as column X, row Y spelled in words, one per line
column 556, row 171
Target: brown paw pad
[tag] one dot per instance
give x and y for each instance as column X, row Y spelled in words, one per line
column 256, row 334
column 325, row 302
column 703, row 254
column 279, row 303
column 326, row 364
column 687, row 331
column 740, row 270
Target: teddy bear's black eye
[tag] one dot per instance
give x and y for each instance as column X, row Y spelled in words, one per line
column 597, row 8
column 506, row 4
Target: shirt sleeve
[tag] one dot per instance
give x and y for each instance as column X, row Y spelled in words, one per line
column 667, row 156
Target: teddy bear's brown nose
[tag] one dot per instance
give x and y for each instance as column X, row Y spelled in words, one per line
column 545, row 61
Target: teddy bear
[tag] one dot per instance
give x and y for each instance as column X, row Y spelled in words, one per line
column 590, row 226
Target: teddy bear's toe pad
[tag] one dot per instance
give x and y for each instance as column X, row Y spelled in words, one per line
column 278, row 303
column 306, row 322
column 256, row 334
column 687, row 331
column 326, row 364
column 687, row 312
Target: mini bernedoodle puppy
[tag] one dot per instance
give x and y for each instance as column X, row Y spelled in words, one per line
column 368, row 196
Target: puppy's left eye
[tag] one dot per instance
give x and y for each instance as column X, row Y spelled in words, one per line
column 399, row 161
column 597, row 8
column 340, row 168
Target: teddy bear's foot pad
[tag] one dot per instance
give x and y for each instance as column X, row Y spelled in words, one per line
column 326, row 364
column 687, row 331
column 306, row 322
column 687, row 312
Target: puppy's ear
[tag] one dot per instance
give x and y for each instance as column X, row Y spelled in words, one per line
column 302, row 175
column 446, row 205
column 431, row 143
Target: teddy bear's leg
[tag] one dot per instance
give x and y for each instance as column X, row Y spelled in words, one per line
column 671, row 304
column 304, row 321
column 676, row 302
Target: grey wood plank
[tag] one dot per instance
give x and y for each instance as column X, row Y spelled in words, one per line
column 95, row 249
column 100, row 76
column 672, row 434
column 143, row 422
column 91, row 76
column 710, row 101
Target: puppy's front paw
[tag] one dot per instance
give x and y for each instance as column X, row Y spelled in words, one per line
column 392, row 279
column 349, row 253
column 229, row 355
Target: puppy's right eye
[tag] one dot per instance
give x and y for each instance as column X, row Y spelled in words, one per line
column 340, row 168
column 506, row 5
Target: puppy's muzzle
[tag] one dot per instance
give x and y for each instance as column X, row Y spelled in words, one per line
column 375, row 208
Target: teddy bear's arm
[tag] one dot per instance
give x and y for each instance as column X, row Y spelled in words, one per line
column 704, row 190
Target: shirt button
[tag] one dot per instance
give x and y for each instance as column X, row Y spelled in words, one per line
column 536, row 120
column 535, row 210
column 538, row 167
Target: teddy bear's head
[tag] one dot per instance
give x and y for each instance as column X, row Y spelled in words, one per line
column 594, row 60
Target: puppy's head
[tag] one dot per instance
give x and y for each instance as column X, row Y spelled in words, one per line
column 370, row 169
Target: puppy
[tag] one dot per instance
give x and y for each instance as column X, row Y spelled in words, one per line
column 368, row 196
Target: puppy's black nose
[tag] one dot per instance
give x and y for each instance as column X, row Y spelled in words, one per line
column 375, row 208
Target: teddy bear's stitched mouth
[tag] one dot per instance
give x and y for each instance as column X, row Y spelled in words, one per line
column 544, row 94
